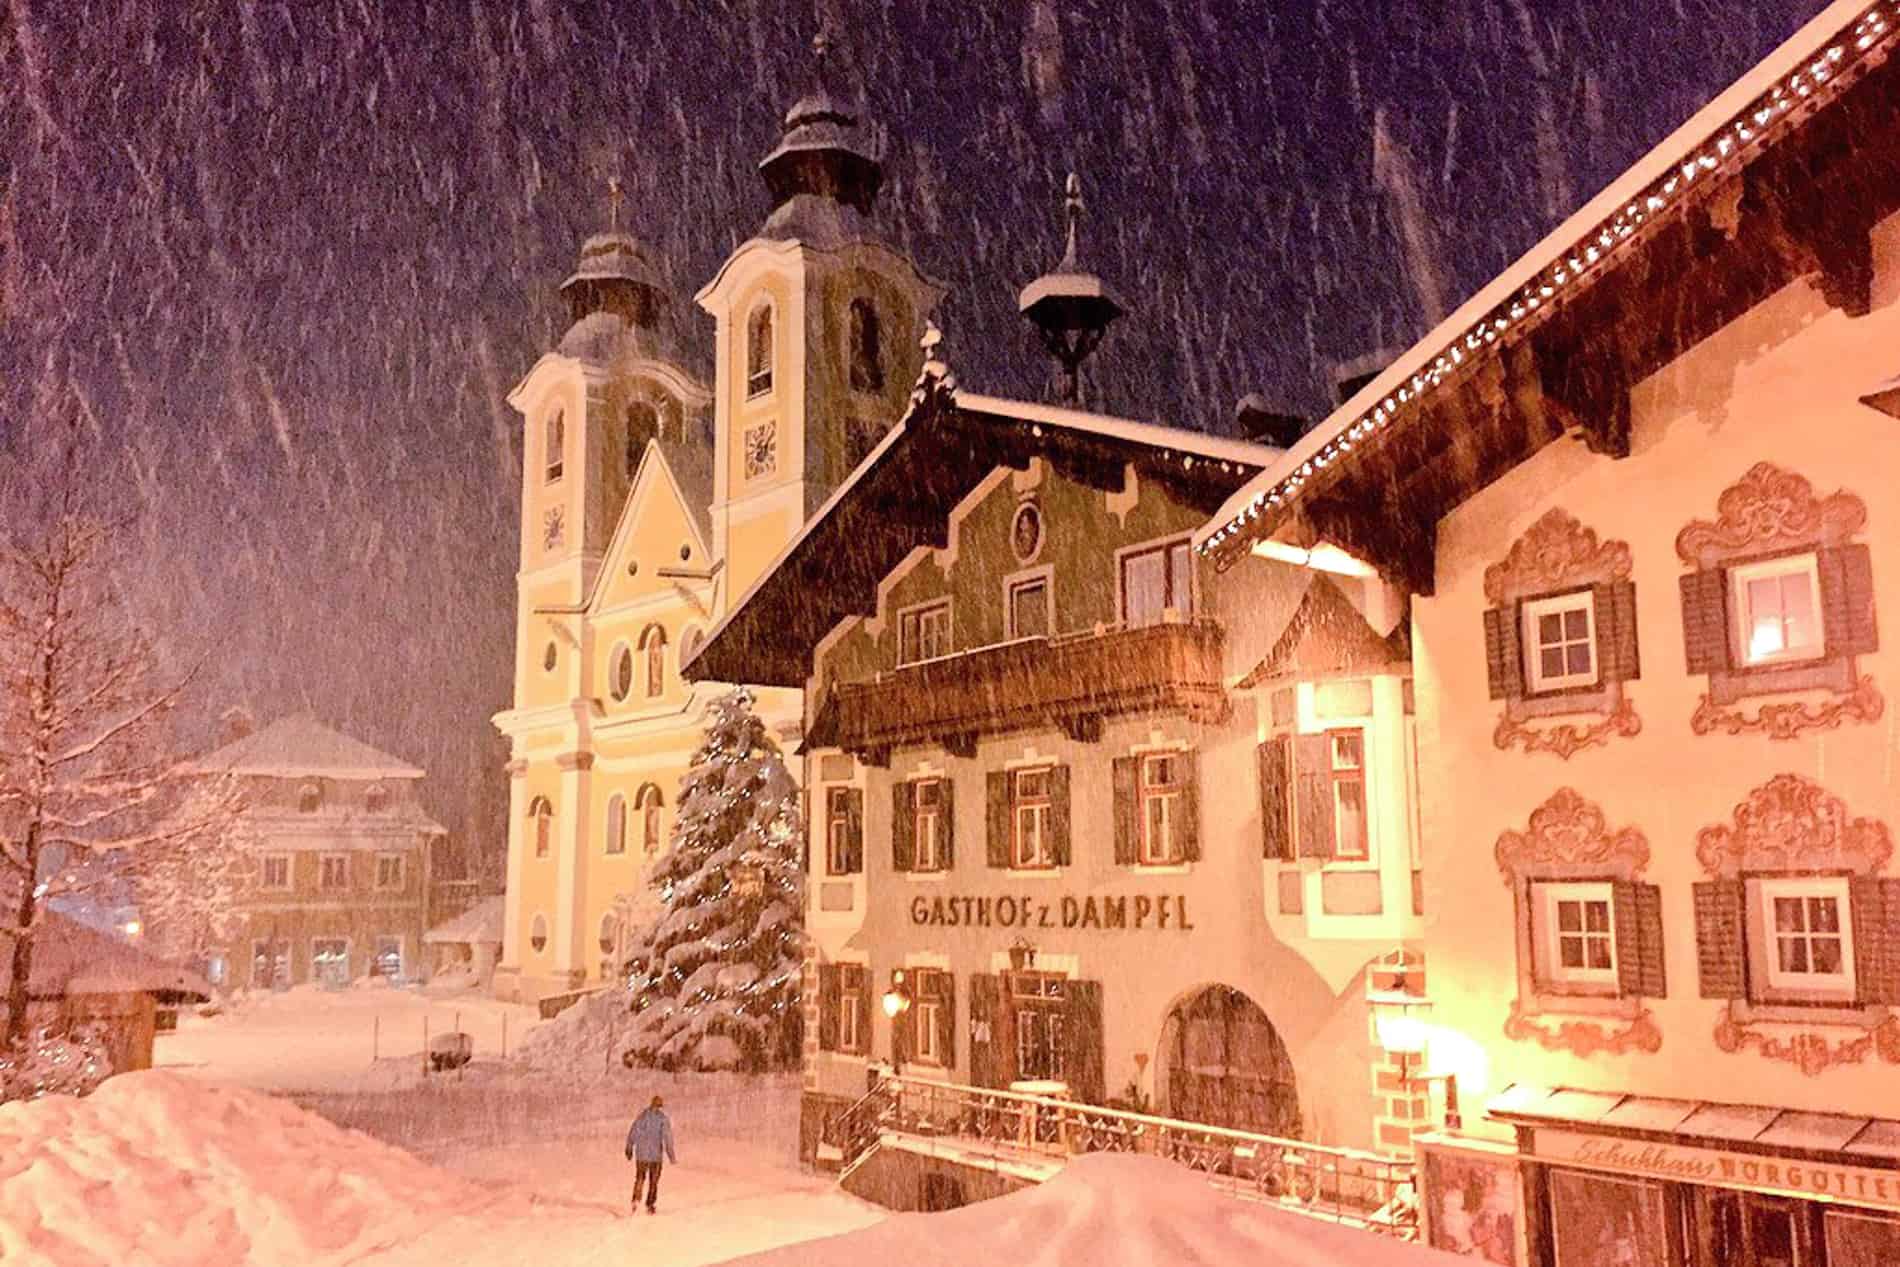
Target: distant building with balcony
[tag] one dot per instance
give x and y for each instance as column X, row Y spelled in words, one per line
column 344, row 859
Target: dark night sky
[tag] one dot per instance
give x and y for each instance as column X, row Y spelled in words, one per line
column 289, row 255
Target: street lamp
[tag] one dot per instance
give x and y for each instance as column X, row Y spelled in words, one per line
column 1398, row 1017
column 896, row 1003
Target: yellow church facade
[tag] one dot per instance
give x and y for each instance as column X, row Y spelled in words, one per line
column 653, row 495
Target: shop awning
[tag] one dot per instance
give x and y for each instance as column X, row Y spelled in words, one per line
column 1871, row 1141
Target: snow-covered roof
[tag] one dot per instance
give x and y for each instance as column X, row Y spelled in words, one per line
column 299, row 746
column 1761, row 108
column 479, row 923
column 71, row 958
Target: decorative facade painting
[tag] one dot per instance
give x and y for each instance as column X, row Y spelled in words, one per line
column 1473, row 1205
column 1780, row 603
column 1560, row 638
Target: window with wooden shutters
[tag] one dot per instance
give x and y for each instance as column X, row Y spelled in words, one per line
column 904, row 826
column 929, row 824
column 934, row 1017
column 844, row 831
column 1778, row 599
column 1274, row 759
column 1040, row 1020
column 1085, row 1053
column 1560, row 634
column 991, row 1044
column 1313, row 795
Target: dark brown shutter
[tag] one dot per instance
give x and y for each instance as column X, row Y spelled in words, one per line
column 904, row 825
column 947, row 823
column 1083, row 1053
column 1639, row 939
column 1004, row 1030
column 1059, row 813
column 1273, row 758
column 996, row 845
column 1847, row 600
column 864, row 1011
column 1189, row 826
column 1876, row 909
column 947, row 1020
column 854, row 833
column 1313, row 795
column 1705, row 620
column 1720, row 951
column 984, row 1006
column 901, row 1046
column 1127, row 806
column 829, row 997
column 1618, row 658
column 1503, row 657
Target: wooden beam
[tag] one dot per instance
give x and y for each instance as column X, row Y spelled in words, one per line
column 1404, row 550
column 1082, row 727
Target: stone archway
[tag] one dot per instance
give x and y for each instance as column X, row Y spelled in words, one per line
column 1222, row 1062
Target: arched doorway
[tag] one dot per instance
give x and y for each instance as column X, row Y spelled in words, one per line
column 1222, row 1062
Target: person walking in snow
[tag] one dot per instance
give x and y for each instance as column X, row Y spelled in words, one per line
column 649, row 1141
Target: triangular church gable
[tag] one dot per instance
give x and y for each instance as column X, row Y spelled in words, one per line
column 655, row 525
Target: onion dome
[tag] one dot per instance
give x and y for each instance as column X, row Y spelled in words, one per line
column 615, row 274
column 1070, row 307
column 824, row 150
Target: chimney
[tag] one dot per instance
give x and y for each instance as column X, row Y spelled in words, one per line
column 1350, row 376
column 235, row 723
column 1260, row 422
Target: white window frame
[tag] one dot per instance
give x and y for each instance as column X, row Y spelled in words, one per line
column 1560, row 605
column 1337, row 775
column 265, row 949
column 928, row 1012
column 838, row 829
column 396, row 858
column 1040, row 1010
column 402, row 959
column 1166, row 547
column 290, row 872
column 850, row 1000
column 1786, row 565
column 1834, row 985
column 316, row 976
column 1550, row 895
column 927, row 853
column 1043, row 576
column 323, row 872
column 1029, row 821
column 1167, row 796
column 911, row 631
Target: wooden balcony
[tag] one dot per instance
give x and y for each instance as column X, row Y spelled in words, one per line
column 1073, row 681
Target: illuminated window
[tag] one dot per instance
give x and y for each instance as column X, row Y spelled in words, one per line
column 556, row 447
column 840, row 832
column 1577, row 926
column 1348, row 753
column 1154, row 581
column 1029, row 807
column 1777, row 614
column 932, row 1006
column 1160, row 798
column 851, row 987
column 1039, row 1005
column 1560, row 641
column 1807, row 935
column 541, row 814
column 758, row 378
column 929, row 825
column 923, row 633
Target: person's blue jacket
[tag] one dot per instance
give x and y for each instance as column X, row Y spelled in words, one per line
column 651, row 1137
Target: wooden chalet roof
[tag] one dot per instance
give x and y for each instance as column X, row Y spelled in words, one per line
column 1780, row 177
column 901, row 495
column 1327, row 636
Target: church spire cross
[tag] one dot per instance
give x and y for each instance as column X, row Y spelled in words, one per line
column 614, row 195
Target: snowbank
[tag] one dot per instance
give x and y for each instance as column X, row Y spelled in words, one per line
column 157, row 1168
column 1107, row 1211
column 584, row 1041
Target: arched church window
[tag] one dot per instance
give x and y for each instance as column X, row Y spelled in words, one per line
column 643, row 424
column 758, row 364
column 309, row 797
column 649, row 805
column 616, row 823
column 556, row 446
column 867, row 348
column 541, row 814
column 653, row 644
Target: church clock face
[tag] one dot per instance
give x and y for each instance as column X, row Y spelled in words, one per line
column 761, row 450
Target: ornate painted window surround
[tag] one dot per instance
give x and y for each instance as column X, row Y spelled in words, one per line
column 1569, row 839
column 1557, row 555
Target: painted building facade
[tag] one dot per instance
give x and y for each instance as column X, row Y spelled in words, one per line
column 652, row 494
column 344, row 848
column 1653, row 546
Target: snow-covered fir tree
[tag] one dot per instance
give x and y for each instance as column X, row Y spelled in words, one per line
column 715, row 978
column 89, row 775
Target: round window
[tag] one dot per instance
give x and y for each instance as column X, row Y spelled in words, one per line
column 1025, row 532
column 686, row 552
column 548, row 658
column 620, row 673
column 538, row 934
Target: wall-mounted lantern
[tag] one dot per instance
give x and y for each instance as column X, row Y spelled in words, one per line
column 1022, row 955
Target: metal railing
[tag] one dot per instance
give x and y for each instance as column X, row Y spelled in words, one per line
column 1341, row 1185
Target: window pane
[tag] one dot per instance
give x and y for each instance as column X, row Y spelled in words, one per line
column 1032, row 783
column 1826, row 953
column 1788, row 911
column 1571, row 951
column 1144, row 588
column 1794, row 954
column 1550, row 629
column 1570, row 917
column 1797, row 611
column 1348, row 751
column 1600, row 953
column 1029, row 610
column 1579, row 657
column 1350, row 803
column 1576, row 624
column 1597, row 916
column 1764, row 611
column 1824, row 915
column 1552, row 662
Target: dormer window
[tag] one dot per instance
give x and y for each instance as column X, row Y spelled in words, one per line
column 867, row 349
column 556, row 447
column 376, row 798
column 309, row 797
column 758, row 378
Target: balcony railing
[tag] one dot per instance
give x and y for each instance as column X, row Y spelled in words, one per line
column 1340, row 1185
column 1073, row 681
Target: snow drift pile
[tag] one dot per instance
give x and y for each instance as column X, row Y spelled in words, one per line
column 1108, row 1210
column 157, row 1168
column 586, row 1039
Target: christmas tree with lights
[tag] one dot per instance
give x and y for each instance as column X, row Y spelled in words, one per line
column 715, row 978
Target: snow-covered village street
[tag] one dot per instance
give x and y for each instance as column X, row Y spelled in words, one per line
column 915, row 633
